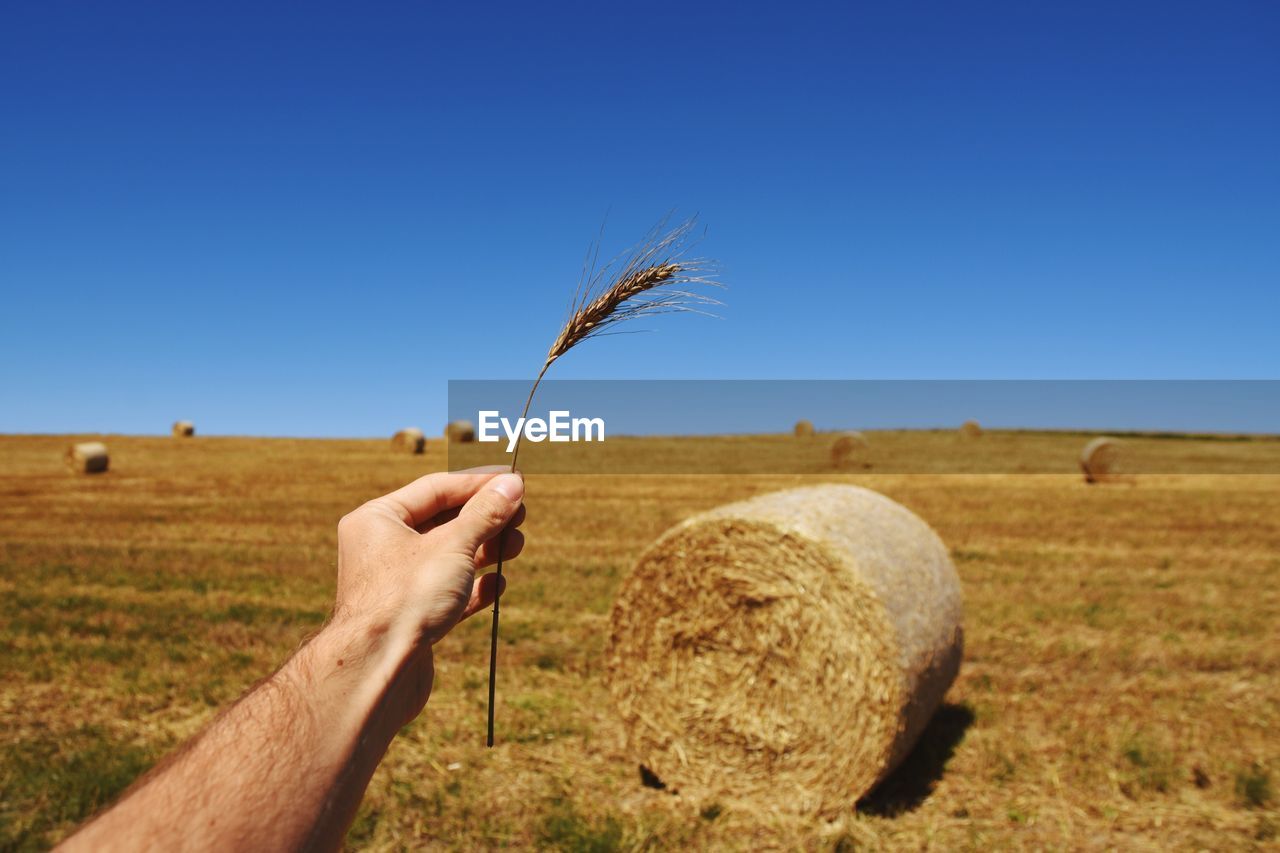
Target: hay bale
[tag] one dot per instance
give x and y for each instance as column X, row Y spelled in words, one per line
column 1098, row 459
column 848, row 447
column 183, row 429
column 971, row 429
column 409, row 440
column 88, row 457
column 460, row 431
column 803, row 429
column 785, row 651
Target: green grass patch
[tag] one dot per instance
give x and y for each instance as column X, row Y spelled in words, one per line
column 1150, row 767
column 564, row 828
column 1253, row 786
column 56, row 781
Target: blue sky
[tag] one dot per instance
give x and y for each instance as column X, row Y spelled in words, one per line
column 304, row 219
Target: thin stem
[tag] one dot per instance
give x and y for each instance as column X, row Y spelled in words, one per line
column 502, row 542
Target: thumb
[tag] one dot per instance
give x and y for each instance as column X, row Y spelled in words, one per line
column 487, row 512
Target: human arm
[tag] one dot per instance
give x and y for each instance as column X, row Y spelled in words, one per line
column 286, row 766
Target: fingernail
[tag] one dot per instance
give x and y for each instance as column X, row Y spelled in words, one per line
column 510, row 486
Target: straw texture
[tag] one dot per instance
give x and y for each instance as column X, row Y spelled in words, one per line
column 848, row 448
column 1098, row 459
column 183, row 429
column 460, row 431
column 971, row 429
column 803, row 429
column 409, row 440
column 785, row 652
column 89, row 457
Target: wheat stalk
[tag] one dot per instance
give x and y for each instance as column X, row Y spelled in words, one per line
column 653, row 278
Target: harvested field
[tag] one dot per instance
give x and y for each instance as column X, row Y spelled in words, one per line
column 1119, row 685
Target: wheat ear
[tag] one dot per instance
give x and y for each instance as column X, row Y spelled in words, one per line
column 653, row 278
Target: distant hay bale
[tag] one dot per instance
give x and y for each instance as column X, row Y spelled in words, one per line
column 971, row 429
column 88, row 457
column 183, row 429
column 848, row 447
column 460, row 431
column 803, row 429
column 409, row 440
column 785, row 651
column 1098, row 459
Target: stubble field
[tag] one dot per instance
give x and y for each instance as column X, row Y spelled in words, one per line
column 1121, row 684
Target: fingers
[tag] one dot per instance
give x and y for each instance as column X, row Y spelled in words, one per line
column 450, row 514
column 511, row 548
column 428, row 496
column 438, row 519
column 488, row 511
column 483, row 592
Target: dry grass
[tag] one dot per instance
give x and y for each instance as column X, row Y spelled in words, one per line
column 1119, row 686
column 887, row 452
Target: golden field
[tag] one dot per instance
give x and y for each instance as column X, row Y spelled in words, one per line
column 1121, row 683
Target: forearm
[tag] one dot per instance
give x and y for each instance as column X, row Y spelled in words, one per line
column 286, row 766
column 282, row 769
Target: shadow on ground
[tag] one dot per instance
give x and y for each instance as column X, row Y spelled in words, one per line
column 911, row 784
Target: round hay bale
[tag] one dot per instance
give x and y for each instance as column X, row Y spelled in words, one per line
column 971, row 429
column 460, row 431
column 1098, row 459
column 848, row 448
column 88, row 457
column 409, row 440
column 803, row 429
column 785, row 651
column 183, row 429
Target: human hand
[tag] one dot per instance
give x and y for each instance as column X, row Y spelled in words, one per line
column 286, row 765
column 407, row 566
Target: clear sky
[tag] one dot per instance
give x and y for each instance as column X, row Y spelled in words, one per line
column 304, row 219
